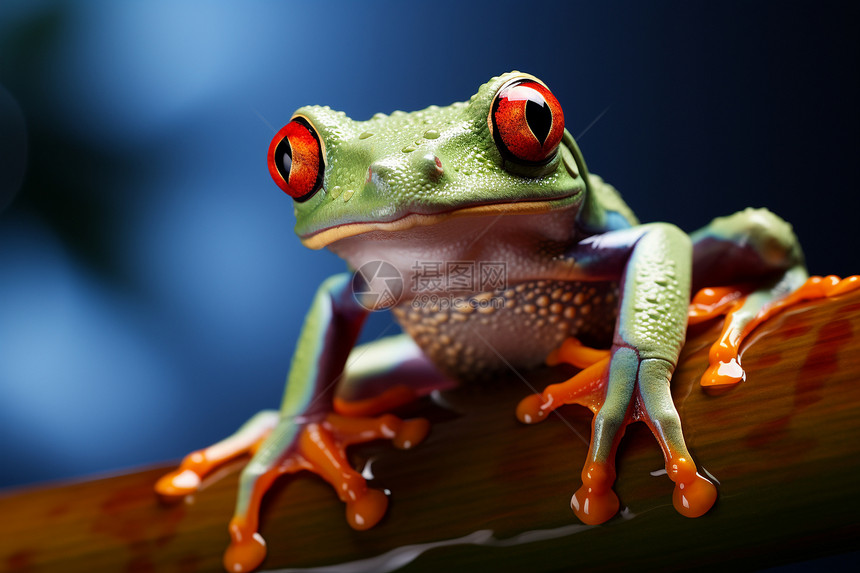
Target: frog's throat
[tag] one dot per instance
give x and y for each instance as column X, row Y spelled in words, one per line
column 328, row 236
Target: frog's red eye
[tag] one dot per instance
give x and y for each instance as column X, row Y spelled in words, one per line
column 296, row 159
column 527, row 122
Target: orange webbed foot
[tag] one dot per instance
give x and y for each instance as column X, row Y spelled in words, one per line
column 745, row 311
column 638, row 391
column 319, row 447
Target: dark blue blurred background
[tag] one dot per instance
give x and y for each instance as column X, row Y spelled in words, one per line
column 151, row 288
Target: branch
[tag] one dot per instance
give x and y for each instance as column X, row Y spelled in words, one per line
column 484, row 490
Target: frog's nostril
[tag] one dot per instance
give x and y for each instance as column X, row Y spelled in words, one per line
column 433, row 166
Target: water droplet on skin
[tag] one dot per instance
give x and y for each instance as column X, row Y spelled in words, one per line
column 431, row 134
column 347, row 195
column 336, row 191
column 365, row 135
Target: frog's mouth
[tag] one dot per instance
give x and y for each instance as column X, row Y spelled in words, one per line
column 325, row 237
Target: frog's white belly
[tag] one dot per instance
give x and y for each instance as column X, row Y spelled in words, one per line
column 516, row 327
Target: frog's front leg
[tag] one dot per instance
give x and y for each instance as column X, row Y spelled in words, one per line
column 648, row 338
column 306, row 434
column 653, row 263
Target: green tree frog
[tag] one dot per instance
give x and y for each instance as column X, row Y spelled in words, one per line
column 509, row 254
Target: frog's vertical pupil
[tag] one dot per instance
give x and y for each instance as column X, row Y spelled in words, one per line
column 284, row 158
column 539, row 118
column 287, row 160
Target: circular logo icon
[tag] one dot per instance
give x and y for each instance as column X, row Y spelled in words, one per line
column 377, row 285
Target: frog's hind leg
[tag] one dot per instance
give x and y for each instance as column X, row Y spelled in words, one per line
column 586, row 388
column 386, row 374
column 753, row 246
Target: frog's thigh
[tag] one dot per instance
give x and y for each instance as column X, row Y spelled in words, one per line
column 384, row 374
column 746, row 246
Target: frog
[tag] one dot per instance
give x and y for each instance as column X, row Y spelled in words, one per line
column 427, row 201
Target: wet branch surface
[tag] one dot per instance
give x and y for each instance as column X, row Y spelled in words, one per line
column 485, row 492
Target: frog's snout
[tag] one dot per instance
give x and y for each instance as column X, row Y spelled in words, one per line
column 382, row 177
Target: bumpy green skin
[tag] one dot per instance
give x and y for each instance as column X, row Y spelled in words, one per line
column 656, row 293
column 384, row 168
column 444, row 159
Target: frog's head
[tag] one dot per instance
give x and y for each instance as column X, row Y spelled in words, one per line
column 505, row 151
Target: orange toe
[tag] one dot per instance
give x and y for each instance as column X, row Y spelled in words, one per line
column 367, row 510
column 177, row 484
column 246, row 551
column 695, row 497
column 594, row 507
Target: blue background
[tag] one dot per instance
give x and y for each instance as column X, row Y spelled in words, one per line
column 151, row 288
